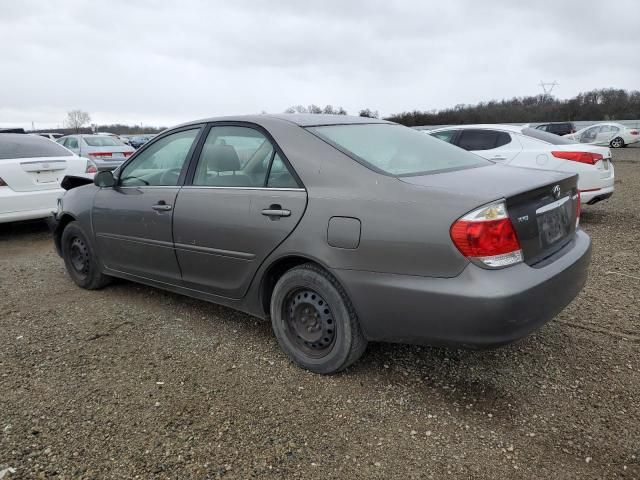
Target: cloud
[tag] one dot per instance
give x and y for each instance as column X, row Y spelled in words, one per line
column 164, row 63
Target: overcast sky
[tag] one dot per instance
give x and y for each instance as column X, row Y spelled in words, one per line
column 161, row 63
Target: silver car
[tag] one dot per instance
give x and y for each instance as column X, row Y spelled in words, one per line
column 340, row 230
column 106, row 152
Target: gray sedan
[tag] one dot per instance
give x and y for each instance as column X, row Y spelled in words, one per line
column 340, row 230
column 107, row 152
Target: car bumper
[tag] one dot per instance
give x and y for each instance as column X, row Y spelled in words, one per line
column 18, row 206
column 596, row 195
column 479, row 308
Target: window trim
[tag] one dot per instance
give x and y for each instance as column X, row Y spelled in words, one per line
column 195, row 158
column 185, row 165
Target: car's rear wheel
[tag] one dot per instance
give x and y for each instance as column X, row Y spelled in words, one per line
column 314, row 321
column 617, row 142
column 80, row 259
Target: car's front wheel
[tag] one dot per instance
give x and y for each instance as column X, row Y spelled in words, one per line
column 314, row 321
column 617, row 142
column 80, row 259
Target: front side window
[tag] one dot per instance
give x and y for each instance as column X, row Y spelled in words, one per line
column 396, row 150
column 160, row 163
column 589, row 135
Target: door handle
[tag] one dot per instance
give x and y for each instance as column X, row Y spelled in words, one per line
column 498, row 157
column 276, row 211
column 162, row 207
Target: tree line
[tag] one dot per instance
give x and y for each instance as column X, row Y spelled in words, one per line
column 600, row 104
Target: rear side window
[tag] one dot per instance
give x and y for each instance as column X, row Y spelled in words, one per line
column 474, row 140
column 29, row 146
column 71, row 143
column 102, row 141
column 396, row 150
column 546, row 137
column 542, row 127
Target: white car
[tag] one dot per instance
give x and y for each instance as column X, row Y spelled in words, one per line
column 531, row 148
column 614, row 135
column 31, row 169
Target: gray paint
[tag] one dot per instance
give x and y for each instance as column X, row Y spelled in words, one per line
column 401, row 277
column 344, row 232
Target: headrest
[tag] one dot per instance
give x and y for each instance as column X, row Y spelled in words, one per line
column 222, row 158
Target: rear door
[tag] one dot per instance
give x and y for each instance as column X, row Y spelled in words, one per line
column 494, row 145
column 132, row 221
column 243, row 200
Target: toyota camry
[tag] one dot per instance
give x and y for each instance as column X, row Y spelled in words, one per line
column 339, row 230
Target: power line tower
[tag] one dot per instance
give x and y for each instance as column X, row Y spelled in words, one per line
column 547, row 87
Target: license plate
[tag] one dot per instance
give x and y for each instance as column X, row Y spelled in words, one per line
column 553, row 225
column 117, row 155
column 46, row 177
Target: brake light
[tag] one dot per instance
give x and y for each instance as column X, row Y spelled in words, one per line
column 128, row 154
column 581, row 157
column 634, row 132
column 100, row 154
column 486, row 236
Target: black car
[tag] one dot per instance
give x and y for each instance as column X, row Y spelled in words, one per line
column 558, row 128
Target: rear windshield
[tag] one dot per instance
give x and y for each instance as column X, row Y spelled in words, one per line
column 29, row 146
column 396, row 150
column 99, row 141
column 546, row 137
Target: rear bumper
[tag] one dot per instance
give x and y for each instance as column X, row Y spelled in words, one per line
column 595, row 196
column 18, row 206
column 479, row 308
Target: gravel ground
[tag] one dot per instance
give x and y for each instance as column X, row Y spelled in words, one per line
column 133, row 382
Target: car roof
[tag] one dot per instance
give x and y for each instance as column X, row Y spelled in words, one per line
column 483, row 126
column 300, row 119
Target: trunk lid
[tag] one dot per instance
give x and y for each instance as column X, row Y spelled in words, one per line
column 541, row 204
column 43, row 173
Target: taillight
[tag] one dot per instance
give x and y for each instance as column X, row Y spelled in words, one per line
column 100, row 154
column 3, row 183
column 582, row 157
column 634, row 132
column 91, row 167
column 128, row 154
column 486, row 236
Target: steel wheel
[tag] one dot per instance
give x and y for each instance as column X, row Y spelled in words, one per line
column 79, row 256
column 617, row 142
column 310, row 323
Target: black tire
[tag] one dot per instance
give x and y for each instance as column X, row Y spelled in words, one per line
column 617, row 142
column 321, row 334
column 80, row 259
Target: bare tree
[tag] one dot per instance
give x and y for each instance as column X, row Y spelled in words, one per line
column 365, row 112
column 77, row 119
column 328, row 109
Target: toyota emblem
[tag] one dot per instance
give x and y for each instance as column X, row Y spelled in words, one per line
column 556, row 191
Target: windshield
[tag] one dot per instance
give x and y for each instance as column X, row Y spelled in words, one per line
column 29, row 146
column 99, row 141
column 547, row 137
column 396, row 150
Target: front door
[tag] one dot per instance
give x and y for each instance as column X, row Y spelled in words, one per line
column 243, row 201
column 132, row 221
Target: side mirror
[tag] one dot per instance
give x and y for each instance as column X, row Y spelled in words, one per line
column 104, row 179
